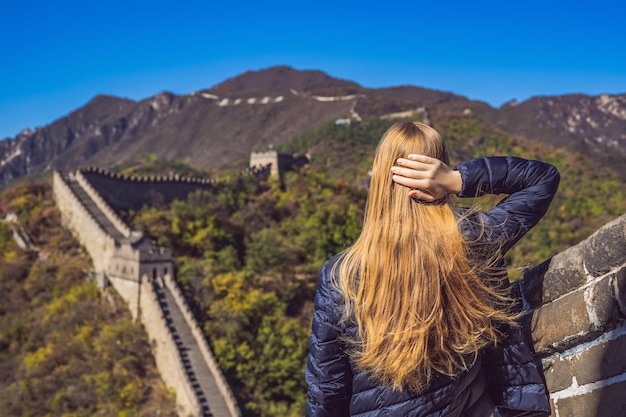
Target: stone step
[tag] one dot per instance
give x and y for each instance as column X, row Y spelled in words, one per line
column 200, row 373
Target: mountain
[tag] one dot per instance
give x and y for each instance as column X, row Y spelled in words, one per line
column 257, row 109
column 595, row 126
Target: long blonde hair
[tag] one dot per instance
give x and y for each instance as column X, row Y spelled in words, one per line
column 419, row 303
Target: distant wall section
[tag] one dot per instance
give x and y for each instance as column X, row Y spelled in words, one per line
column 124, row 192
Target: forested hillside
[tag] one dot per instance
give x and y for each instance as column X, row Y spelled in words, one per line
column 66, row 349
column 247, row 255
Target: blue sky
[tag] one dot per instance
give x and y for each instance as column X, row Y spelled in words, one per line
column 56, row 55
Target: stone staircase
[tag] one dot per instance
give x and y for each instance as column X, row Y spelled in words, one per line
column 203, row 382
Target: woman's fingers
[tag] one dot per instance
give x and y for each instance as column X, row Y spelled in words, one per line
column 409, row 181
column 418, row 162
column 409, row 172
column 422, row 158
column 422, row 195
column 415, row 174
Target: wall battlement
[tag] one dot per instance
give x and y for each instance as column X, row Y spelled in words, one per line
column 122, row 192
column 146, row 179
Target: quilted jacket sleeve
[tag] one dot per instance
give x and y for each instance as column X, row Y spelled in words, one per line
column 531, row 185
column 328, row 372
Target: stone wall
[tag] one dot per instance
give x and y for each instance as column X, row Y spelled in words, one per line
column 577, row 303
column 129, row 291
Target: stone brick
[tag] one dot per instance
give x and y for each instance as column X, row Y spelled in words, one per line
column 572, row 320
column 558, row 374
column 606, row 248
column 554, row 278
column 620, row 290
column 601, row 302
column 600, row 362
column 606, row 401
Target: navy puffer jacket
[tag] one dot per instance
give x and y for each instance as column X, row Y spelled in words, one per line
column 505, row 377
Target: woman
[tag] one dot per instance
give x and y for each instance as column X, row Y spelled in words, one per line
column 414, row 318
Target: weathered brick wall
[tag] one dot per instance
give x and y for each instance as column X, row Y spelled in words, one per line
column 577, row 303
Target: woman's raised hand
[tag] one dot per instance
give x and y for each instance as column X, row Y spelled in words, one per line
column 429, row 178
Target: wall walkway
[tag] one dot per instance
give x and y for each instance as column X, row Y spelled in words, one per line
column 203, row 382
column 97, row 214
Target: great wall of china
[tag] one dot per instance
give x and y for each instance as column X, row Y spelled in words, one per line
column 142, row 273
column 576, row 300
